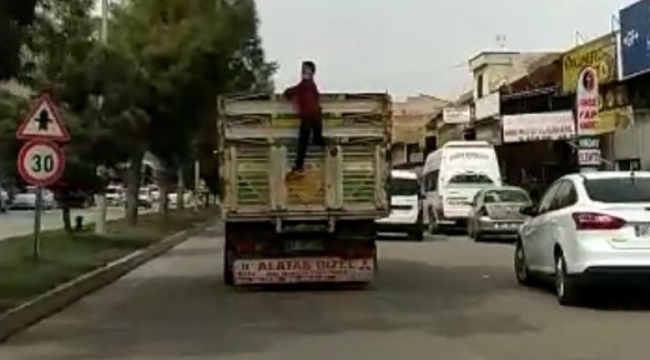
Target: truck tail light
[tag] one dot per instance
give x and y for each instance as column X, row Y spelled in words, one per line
column 596, row 221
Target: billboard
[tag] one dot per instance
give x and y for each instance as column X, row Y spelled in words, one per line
column 635, row 39
column 599, row 54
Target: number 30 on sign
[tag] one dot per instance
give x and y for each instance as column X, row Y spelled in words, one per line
column 41, row 162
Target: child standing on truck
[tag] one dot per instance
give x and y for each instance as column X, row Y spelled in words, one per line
column 306, row 99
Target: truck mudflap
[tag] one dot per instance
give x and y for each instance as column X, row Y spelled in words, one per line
column 303, row 270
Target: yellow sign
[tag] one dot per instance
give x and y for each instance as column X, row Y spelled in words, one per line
column 615, row 112
column 614, row 119
column 599, row 54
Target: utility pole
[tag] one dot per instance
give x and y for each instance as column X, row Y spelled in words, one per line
column 102, row 172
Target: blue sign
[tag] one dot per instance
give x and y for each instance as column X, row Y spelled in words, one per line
column 635, row 38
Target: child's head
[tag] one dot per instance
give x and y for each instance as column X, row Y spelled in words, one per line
column 308, row 70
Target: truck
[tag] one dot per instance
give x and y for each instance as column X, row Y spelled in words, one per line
column 315, row 228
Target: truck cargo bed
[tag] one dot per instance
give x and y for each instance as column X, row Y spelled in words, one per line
column 345, row 179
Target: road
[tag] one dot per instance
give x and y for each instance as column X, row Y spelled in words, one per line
column 17, row 223
column 446, row 298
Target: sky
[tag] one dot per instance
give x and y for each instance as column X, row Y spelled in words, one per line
column 411, row 47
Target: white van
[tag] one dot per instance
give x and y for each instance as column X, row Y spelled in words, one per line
column 452, row 175
column 405, row 210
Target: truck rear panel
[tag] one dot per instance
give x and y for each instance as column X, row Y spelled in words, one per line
column 345, row 179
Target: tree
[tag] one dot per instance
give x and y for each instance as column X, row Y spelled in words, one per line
column 190, row 51
column 15, row 17
column 69, row 63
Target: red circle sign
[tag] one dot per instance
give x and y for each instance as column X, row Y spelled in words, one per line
column 41, row 162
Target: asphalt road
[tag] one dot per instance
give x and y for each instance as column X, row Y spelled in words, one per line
column 446, row 298
column 21, row 222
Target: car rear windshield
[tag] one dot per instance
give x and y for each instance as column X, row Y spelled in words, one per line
column 404, row 187
column 506, row 196
column 470, row 178
column 619, row 190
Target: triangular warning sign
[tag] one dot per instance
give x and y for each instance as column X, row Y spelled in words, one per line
column 43, row 121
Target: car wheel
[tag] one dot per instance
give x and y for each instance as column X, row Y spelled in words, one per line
column 521, row 268
column 566, row 289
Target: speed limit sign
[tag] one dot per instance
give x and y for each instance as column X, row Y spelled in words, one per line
column 41, row 162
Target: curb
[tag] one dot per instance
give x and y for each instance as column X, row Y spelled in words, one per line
column 57, row 299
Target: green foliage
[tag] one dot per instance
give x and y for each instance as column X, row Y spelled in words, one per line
column 164, row 65
column 15, row 16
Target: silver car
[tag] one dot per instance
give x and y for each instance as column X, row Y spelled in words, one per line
column 496, row 212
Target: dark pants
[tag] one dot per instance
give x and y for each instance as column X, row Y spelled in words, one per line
column 308, row 127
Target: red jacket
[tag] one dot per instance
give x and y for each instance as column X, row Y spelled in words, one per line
column 306, row 97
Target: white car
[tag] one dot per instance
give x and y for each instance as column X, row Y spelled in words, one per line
column 587, row 227
column 405, row 210
column 4, row 200
column 26, row 200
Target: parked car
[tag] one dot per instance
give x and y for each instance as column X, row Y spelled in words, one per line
column 496, row 212
column 4, row 200
column 587, row 227
column 114, row 195
column 26, row 200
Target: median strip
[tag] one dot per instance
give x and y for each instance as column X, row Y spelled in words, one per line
column 74, row 265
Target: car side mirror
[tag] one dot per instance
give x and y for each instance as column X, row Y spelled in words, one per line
column 529, row 210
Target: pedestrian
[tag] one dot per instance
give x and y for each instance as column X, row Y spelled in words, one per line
column 306, row 99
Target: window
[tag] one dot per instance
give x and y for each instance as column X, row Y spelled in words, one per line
column 565, row 196
column 507, row 196
column 479, row 86
column 470, row 178
column 403, row 187
column 628, row 165
column 619, row 190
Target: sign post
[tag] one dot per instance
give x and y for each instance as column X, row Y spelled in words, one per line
column 41, row 161
column 587, row 108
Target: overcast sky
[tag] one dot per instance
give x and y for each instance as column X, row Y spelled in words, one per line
column 416, row 46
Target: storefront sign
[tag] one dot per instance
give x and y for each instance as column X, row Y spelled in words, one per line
column 635, row 39
column 589, row 143
column 589, row 157
column 456, row 115
column 599, row 54
column 615, row 119
column 487, row 106
column 587, row 102
column 556, row 125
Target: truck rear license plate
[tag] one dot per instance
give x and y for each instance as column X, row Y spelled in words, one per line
column 304, row 245
column 642, row 230
column 302, row 270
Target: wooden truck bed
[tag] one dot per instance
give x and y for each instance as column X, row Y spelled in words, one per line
column 346, row 179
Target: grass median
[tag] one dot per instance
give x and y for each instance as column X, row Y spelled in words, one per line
column 65, row 256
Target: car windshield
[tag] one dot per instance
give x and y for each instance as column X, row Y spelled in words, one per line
column 403, row 187
column 470, row 178
column 619, row 190
column 506, row 196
